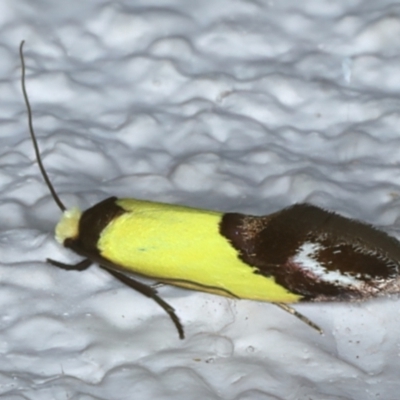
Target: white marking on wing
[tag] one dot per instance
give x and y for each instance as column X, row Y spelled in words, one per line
column 306, row 258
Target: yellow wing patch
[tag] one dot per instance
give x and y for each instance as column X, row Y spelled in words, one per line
column 175, row 243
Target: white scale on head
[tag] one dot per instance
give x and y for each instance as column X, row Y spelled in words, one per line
column 306, row 257
column 68, row 226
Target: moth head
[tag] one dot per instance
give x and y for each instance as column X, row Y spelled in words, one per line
column 68, row 226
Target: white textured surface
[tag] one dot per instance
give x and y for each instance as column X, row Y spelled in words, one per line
column 230, row 105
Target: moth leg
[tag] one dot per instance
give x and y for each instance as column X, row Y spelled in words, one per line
column 300, row 316
column 198, row 286
column 80, row 266
column 150, row 292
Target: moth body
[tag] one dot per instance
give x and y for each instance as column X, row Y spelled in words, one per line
column 299, row 253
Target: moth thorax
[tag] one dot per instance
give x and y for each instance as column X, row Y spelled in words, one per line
column 68, row 227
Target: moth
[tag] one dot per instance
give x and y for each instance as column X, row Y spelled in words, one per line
column 301, row 253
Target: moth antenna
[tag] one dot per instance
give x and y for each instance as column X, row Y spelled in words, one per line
column 32, row 133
